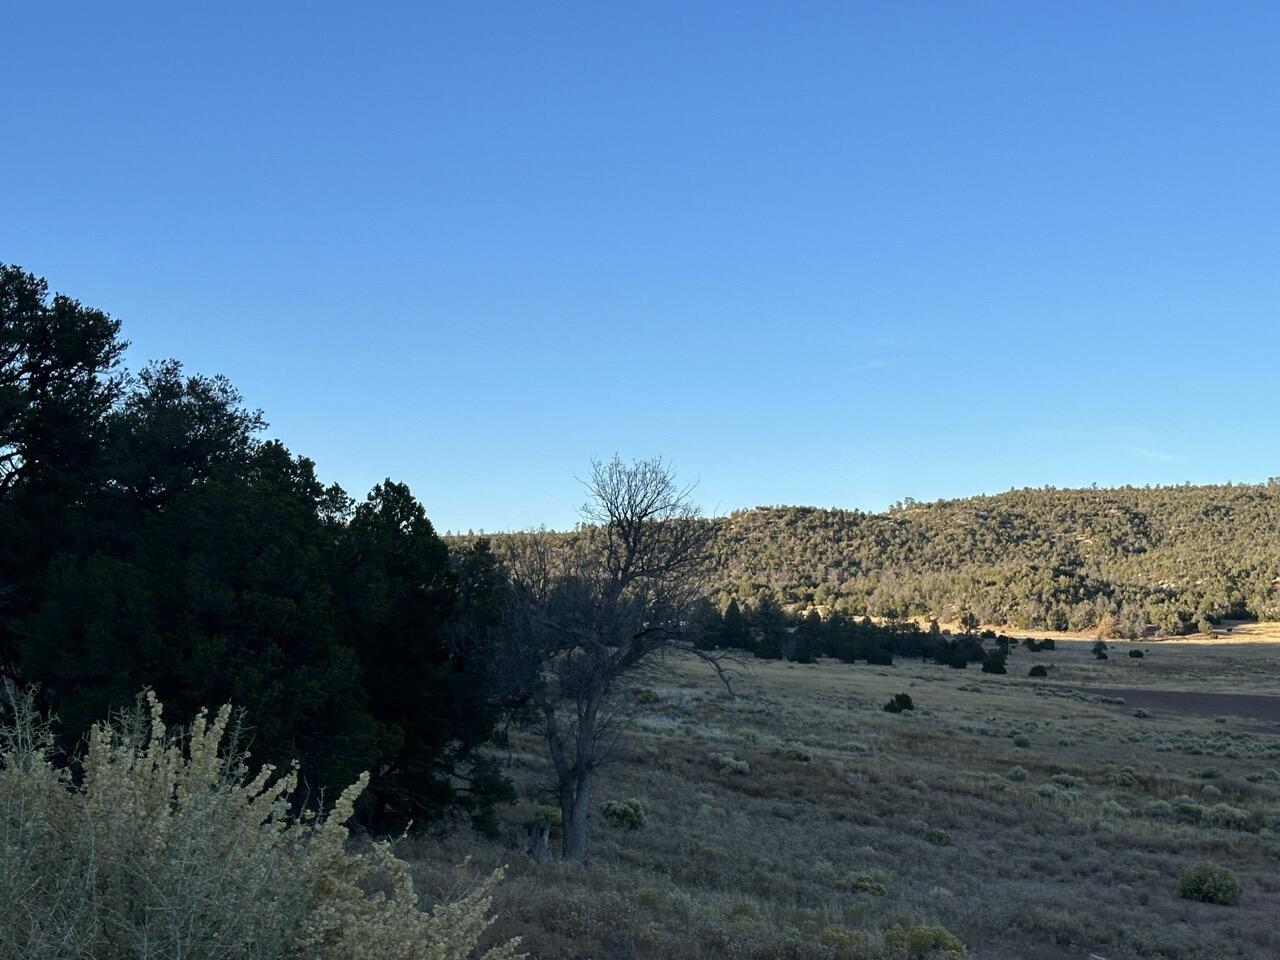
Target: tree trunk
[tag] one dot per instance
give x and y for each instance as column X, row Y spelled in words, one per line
column 575, row 803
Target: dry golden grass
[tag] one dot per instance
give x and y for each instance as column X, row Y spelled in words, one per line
column 1070, row 820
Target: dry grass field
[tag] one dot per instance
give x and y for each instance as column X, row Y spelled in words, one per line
column 1033, row 819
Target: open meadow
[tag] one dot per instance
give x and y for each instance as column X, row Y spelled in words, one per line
column 1032, row 819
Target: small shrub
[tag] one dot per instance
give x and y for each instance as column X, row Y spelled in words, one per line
column 846, row 941
column 1039, row 670
column 862, row 883
column 1188, row 809
column 728, row 763
column 899, row 703
column 1113, row 810
column 994, row 662
column 629, row 814
column 553, row 816
column 1124, row 777
column 1225, row 815
column 1017, row 774
column 646, row 696
column 1068, row 781
column 938, row 837
column 1210, row 883
column 796, row 752
column 1053, row 792
column 1158, row 809
column 647, row 897
column 1021, row 741
column 921, row 942
column 1136, row 654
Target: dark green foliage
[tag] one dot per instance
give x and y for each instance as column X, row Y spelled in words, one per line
column 735, row 634
column 1136, row 654
column 809, row 637
column 994, row 662
column 148, row 537
column 938, row 837
column 1100, row 650
column 773, row 640
column 1039, row 670
column 1210, row 883
column 899, row 702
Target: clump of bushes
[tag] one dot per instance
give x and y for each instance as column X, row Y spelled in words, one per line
column 846, row 941
column 920, row 942
column 1054, row 793
column 1225, row 815
column 1210, row 883
column 644, row 695
column 728, row 763
column 938, row 837
column 1126, row 776
column 1039, row 670
column 1017, row 774
column 796, row 752
column 862, row 883
column 165, row 843
column 631, row 814
column 1136, row 654
column 1114, row 810
column 899, row 703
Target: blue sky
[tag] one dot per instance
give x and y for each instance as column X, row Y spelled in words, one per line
column 831, row 254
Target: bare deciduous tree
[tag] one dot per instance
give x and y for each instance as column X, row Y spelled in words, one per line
column 595, row 606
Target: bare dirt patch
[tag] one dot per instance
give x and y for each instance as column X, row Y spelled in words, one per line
column 1250, row 705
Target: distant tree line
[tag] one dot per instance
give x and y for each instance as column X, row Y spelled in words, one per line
column 150, row 537
column 770, row 633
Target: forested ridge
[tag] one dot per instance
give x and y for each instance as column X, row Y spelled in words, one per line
column 1172, row 558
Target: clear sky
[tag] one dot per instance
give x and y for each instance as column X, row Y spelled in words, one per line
column 830, row 254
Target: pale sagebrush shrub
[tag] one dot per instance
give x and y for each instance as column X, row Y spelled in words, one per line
column 164, row 846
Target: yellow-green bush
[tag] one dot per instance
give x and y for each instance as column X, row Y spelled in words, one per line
column 165, row 846
column 846, row 942
column 920, row 942
column 631, row 814
column 1210, row 883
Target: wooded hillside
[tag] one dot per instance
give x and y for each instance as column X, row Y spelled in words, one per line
column 1171, row 557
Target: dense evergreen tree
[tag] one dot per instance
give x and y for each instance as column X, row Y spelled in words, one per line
column 149, row 537
column 772, row 633
column 735, row 632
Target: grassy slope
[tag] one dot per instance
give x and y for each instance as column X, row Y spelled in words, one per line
column 753, row 865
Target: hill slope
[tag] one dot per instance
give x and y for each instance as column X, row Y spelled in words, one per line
column 1046, row 558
